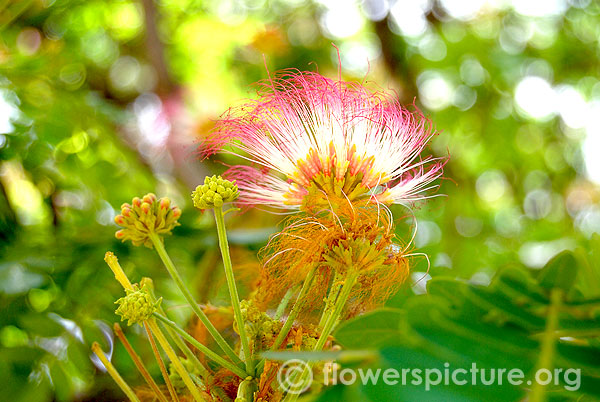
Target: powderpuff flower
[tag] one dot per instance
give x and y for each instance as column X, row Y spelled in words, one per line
column 307, row 134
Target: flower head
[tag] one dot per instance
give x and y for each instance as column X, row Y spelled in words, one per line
column 313, row 136
column 364, row 243
column 260, row 327
column 137, row 306
column 214, row 192
column 145, row 216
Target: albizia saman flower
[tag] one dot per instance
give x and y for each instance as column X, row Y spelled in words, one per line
column 310, row 134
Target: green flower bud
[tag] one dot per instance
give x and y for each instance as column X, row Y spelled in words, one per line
column 137, row 306
column 145, row 216
column 214, row 192
column 258, row 325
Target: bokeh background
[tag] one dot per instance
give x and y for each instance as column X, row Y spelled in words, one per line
column 101, row 101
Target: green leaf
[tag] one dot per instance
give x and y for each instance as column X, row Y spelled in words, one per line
column 516, row 284
column 585, row 358
column 499, row 303
column 371, row 330
column 579, row 328
column 589, row 386
column 342, row 392
column 589, row 279
column 560, row 272
column 464, row 340
column 448, row 288
column 412, row 387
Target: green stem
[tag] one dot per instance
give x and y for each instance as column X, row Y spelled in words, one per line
column 546, row 358
column 298, row 305
column 114, row 373
column 331, row 297
column 332, row 319
column 181, row 345
column 202, row 348
column 235, row 300
column 161, row 364
column 160, row 249
column 296, row 308
column 338, row 307
column 139, row 363
column 185, row 376
column 284, row 302
column 176, row 338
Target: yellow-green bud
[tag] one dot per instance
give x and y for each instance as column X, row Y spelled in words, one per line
column 137, row 306
column 246, row 387
column 144, row 216
column 258, row 325
column 214, row 192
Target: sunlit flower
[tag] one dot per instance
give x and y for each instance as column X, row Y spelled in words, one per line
column 308, row 134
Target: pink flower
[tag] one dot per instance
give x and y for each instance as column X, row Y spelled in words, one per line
column 307, row 131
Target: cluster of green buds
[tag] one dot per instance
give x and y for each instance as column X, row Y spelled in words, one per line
column 137, row 306
column 145, row 216
column 259, row 325
column 214, row 192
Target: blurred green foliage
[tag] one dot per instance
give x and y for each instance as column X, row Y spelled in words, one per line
column 101, row 101
column 500, row 326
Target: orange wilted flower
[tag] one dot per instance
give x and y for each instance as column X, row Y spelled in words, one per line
column 357, row 237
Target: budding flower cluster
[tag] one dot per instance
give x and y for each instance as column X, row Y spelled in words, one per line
column 145, row 216
column 214, row 192
column 137, row 306
column 259, row 325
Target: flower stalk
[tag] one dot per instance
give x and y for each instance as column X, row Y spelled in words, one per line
column 137, row 307
column 212, row 195
column 330, row 322
column 175, row 337
column 338, row 307
column 113, row 263
column 548, row 348
column 138, row 363
column 235, row 300
column 284, row 302
column 161, row 364
column 331, row 298
column 189, row 383
column 114, row 373
column 122, row 278
column 246, row 390
column 162, row 253
column 298, row 305
column 202, row 348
